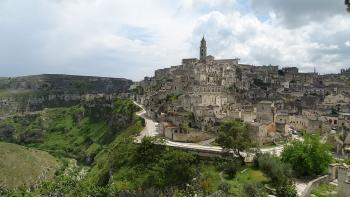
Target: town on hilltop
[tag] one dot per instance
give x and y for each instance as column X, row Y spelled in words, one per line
column 261, row 107
column 191, row 100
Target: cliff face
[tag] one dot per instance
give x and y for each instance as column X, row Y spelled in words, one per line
column 33, row 93
column 77, row 132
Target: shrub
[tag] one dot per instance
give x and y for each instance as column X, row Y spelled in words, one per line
column 253, row 190
column 230, row 169
column 279, row 172
column 224, row 187
column 274, row 168
column 308, row 157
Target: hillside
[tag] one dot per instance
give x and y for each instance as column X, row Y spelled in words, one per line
column 100, row 134
column 24, row 166
column 77, row 132
column 33, row 93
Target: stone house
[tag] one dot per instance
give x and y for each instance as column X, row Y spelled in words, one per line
column 263, row 132
column 302, row 122
column 264, row 111
column 336, row 99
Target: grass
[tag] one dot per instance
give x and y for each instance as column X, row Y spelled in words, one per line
column 24, row 166
column 63, row 136
column 120, row 146
column 71, row 132
column 212, row 178
column 249, row 176
column 325, row 190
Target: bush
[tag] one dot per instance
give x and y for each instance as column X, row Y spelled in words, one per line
column 173, row 168
column 274, row 168
column 253, row 190
column 230, row 169
column 347, row 161
column 279, row 172
column 224, row 187
column 286, row 190
column 308, row 157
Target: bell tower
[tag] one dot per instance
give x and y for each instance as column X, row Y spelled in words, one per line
column 203, row 49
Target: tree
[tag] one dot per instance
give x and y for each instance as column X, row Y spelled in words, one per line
column 279, row 172
column 272, row 166
column 148, row 151
column 173, row 168
column 308, row 157
column 234, row 136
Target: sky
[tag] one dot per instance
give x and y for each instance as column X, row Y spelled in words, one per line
column 133, row 38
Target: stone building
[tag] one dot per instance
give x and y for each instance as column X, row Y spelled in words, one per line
column 265, row 111
column 214, row 90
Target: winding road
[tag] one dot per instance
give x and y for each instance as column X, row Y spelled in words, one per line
column 151, row 130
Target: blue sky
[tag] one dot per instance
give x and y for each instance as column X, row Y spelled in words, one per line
column 132, row 38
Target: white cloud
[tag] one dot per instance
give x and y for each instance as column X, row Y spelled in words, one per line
column 347, row 43
column 130, row 38
column 257, row 42
column 295, row 13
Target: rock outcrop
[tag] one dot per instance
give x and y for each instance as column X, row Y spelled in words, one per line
column 33, row 93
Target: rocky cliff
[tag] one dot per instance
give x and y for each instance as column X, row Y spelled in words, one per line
column 33, row 93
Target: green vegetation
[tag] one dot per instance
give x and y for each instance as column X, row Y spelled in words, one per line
column 347, row 161
column 101, row 134
column 78, row 132
column 279, row 172
column 325, row 190
column 146, row 165
column 308, row 157
column 21, row 166
column 213, row 179
column 172, row 97
column 260, row 83
column 14, row 93
column 254, row 190
column 138, row 90
column 37, row 92
column 123, row 167
column 234, row 136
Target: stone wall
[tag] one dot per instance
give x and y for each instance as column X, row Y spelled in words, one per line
column 194, row 136
column 314, row 183
column 344, row 181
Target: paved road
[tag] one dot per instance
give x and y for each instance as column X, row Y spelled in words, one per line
column 151, row 130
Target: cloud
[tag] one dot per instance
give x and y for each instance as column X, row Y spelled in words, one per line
column 297, row 13
column 259, row 42
column 347, row 43
column 113, row 38
column 130, row 38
